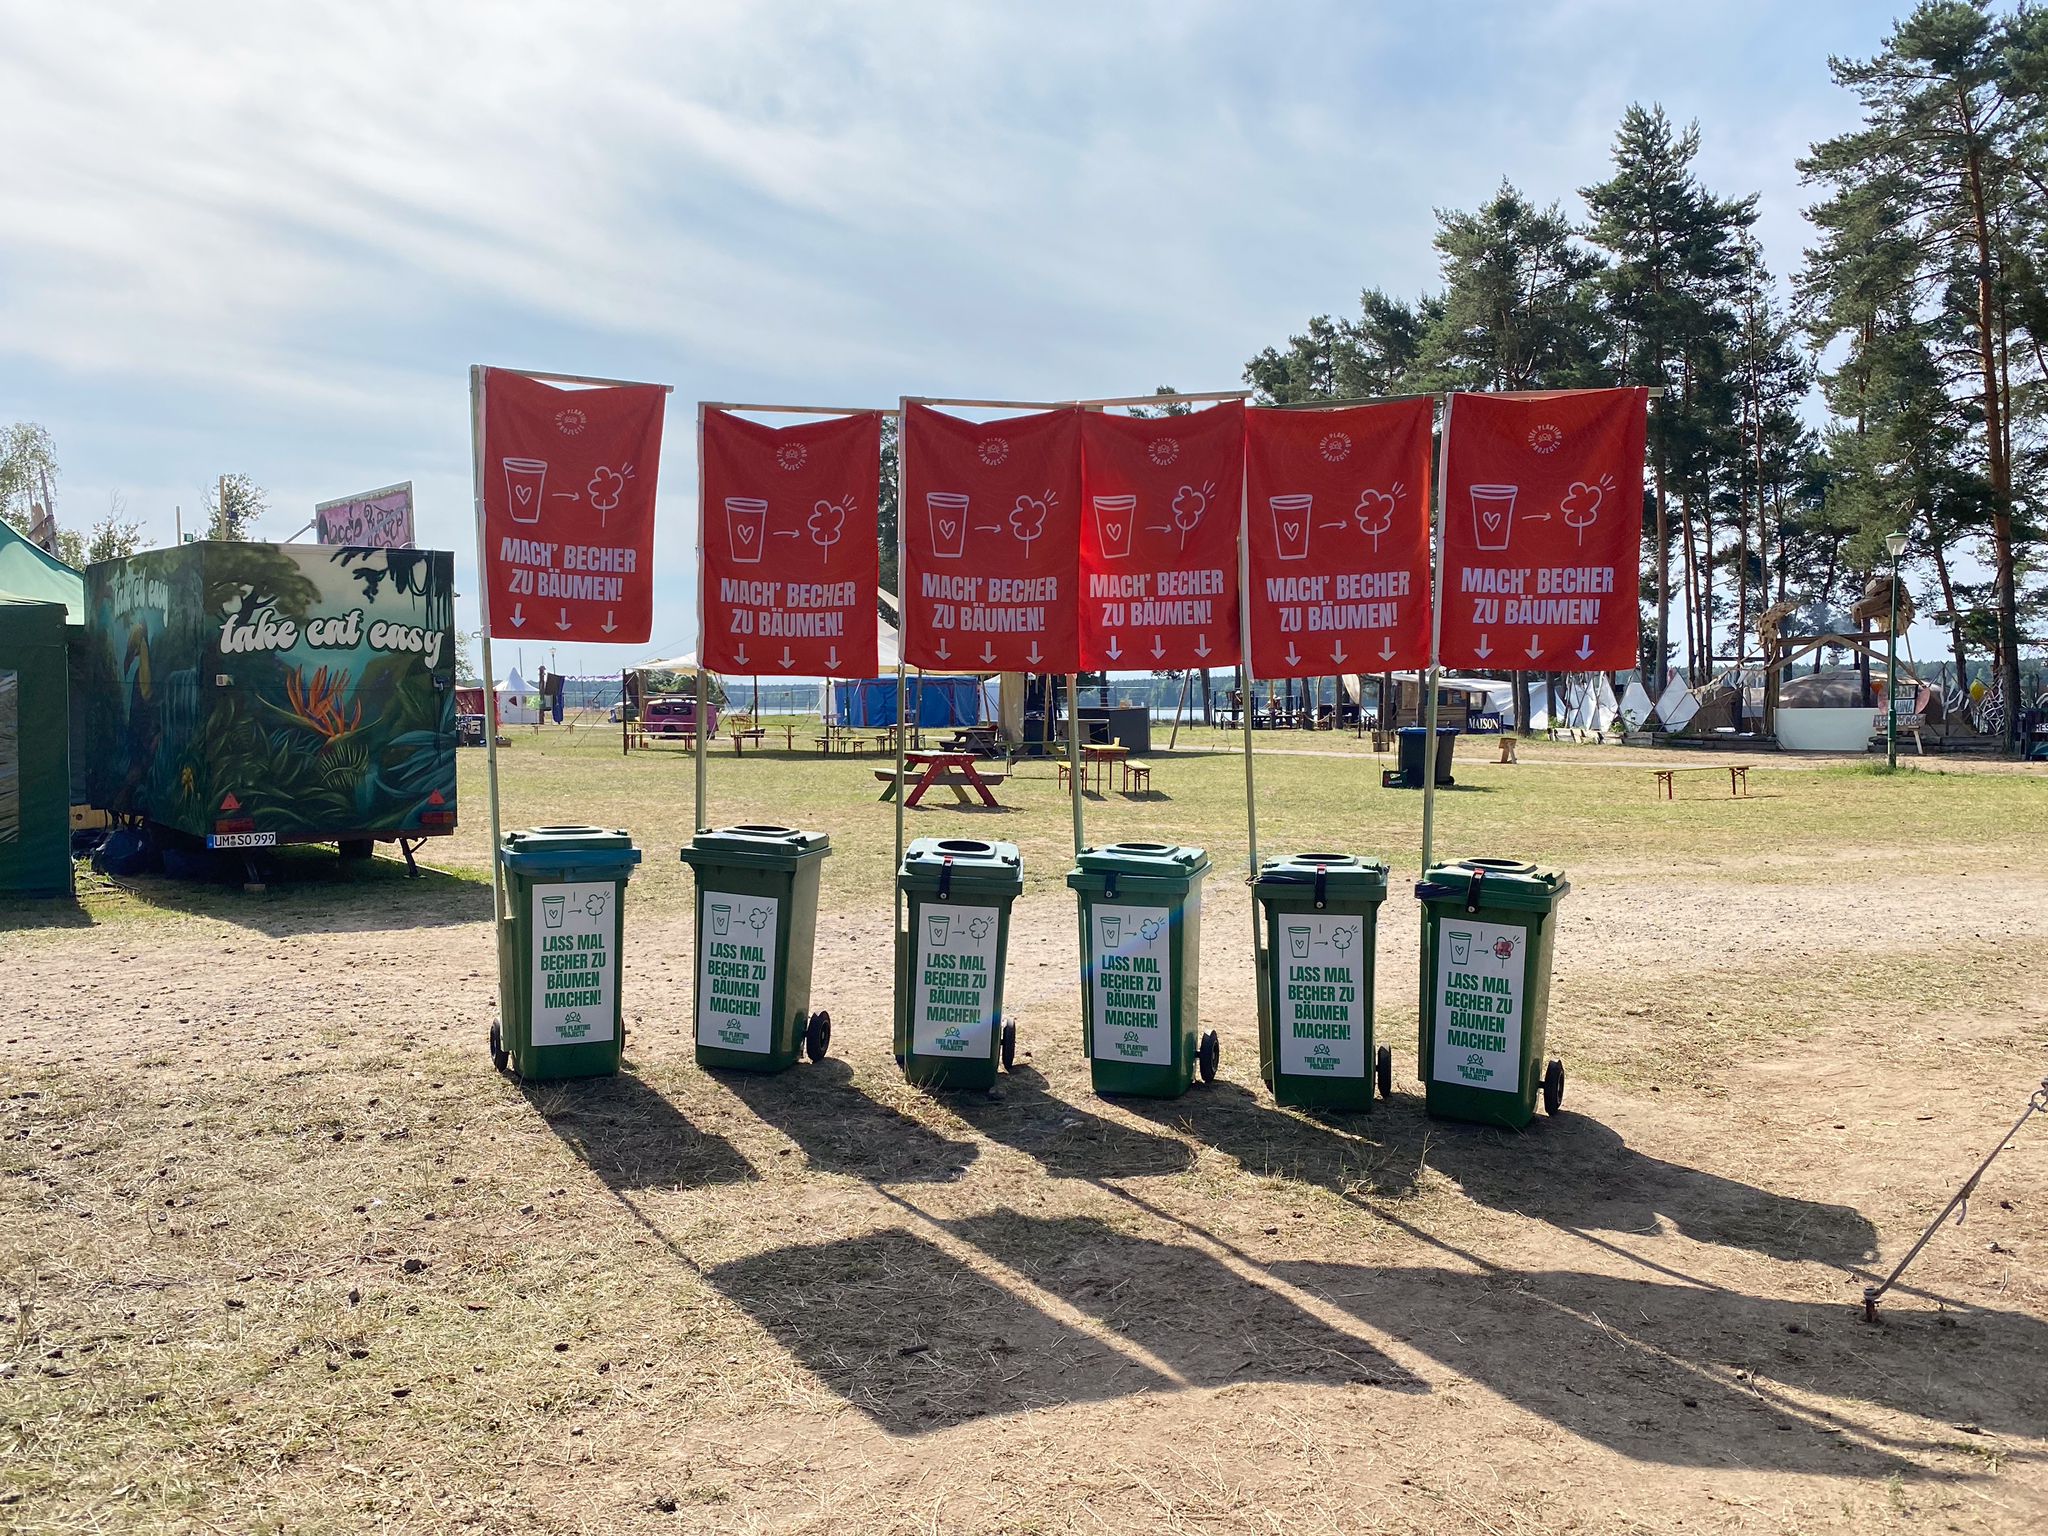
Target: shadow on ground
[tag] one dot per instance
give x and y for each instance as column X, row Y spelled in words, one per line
column 841, row 1129
column 1069, row 1141
column 632, row 1137
column 310, row 890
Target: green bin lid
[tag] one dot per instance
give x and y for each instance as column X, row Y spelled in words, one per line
column 1509, row 884
column 1157, row 861
column 581, row 847
column 964, row 863
column 756, row 843
column 1345, row 876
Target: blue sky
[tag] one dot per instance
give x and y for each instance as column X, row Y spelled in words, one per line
column 257, row 238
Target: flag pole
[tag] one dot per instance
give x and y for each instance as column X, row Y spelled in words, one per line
column 1244, row 692
column 1436, row 645
column 483, row 598
column 902, row 695
column 703, row 684
column 1074, row 760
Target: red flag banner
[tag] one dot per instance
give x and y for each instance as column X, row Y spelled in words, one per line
column 991, row 562
column 568, row 480
column 1543, row 527
column 1339, row 538
column 1159, row 538
column 788, row 545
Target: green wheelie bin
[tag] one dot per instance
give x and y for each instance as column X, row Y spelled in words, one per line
column 949, row 964
column 1318, row 924
column 757, row 926
column 558, row 955
column 1141, row 953
column 1487, row 934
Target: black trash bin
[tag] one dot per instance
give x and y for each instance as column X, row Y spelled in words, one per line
column 1409, row 774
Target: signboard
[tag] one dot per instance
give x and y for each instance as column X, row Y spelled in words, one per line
column 956, row 982
column 1321, row 1006
column 1132, row 982
column 373, row 520
column 1338, row 529
column 568, row 480
column 787, row 542
column 575, row 970
column 736, row 1002
column 1543, row 527
column 991, row 558
column 1477, row 1007
column 1159, row 538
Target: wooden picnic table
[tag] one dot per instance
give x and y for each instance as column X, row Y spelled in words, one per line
column 954, row 770
column 742, row 734
column 1100, row 755
column 840, row 739
column 1738, row 778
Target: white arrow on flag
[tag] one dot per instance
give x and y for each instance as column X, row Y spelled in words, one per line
column 1158, row 648
column 1031, row 655
column 1585, row 646
column 563, row 622
column 943, row 649
column 788, row 660
column 832, row 657
column 1484, row 649
column 740, row 655
column 518, row 616
column 1337, row 654
column 1202, row 645
column 1293, row 656
column 1386, row 648
column 1535, row 647
column 1113, row 649
column 988, row 653
column 608, row 626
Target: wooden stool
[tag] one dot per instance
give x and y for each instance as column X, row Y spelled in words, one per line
column 1066, row 774
column 1139, row 774
column 1507, row 749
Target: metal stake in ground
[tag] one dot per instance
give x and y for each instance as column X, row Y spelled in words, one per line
column 1872, row 1293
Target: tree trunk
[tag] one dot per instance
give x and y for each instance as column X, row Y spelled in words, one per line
column 1994, row 437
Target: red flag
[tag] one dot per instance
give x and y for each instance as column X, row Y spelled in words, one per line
column 1543, row 509
column 991, row 562
column 788, row 545
column 569, row 477
column 1159, row 538
column 1339, row 523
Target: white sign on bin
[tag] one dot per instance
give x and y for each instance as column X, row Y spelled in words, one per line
column 1478, row 1004
column 956, row 982
column 736, row 1006
column 1322, row 997
column 575, row 964
column 1132, row 983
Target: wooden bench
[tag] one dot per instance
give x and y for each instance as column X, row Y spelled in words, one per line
column 1507, row 749
column 1139, row 774
column 1738, row 778
column 949, row 777
column 740, row 737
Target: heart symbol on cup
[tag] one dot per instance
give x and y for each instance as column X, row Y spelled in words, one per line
column 523, row 492
column 1116, row 531
column 946, row 528
column 1290, row 529
column 1491, row 519
column 746, row 533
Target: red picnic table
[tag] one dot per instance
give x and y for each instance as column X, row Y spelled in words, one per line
column 955, row 770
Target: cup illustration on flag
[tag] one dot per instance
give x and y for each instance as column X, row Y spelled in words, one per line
column 940, row 924
column 1112, row 931
column 1461, row 949
column 525, row 480
column 1297, row 943
column 746, row 521
column 1493, row 515
column 551, row 911
column 1113, row 518
column 721, row 919
column 948, row 512
column 1290, row 524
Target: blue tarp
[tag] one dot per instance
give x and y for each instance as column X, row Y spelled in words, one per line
column 933, row 700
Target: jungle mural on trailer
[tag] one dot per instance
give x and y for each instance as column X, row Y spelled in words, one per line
column 301, row 690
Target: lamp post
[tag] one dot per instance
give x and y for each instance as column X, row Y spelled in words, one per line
column 1896, row 543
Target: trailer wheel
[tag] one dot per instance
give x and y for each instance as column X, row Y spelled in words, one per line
column 1383, row 1069
column 498, row 1056
column 1553, row 1087
column 818, row 1035
column 1009, row 1044
column 1208, row 1055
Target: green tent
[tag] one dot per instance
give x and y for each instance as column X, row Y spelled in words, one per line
column 35, row 750
column 26, row 572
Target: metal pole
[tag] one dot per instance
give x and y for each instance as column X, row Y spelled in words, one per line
column 1436, row 644
column 902, row 691
column 1244, row 694
column 703, row 777
column 1074, row 760
column 499, row 916
column 1891, row 679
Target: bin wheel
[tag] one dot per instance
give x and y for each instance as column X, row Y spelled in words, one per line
column 1553, row 1087
column 1009, row 1044
column 1208, row 1054
column 498, row 1056
column 1383, row 1069
column 818, row 1035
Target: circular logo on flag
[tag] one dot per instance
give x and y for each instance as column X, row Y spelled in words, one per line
column 1162, row 451
column 1335, row 447
column 993, row 450
column 791, row 456
column 570, row 422
column 1546, row 438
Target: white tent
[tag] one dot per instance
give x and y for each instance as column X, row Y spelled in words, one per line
column 1676, row 705
column 516, row 705
column 1636, row 703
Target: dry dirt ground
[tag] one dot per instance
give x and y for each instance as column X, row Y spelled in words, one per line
column 278, row 1250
